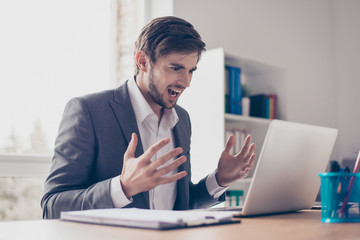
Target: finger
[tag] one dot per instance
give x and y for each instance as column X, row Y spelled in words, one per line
column 252, row 160
column 251, row 150
column 151, row 151
column 229, row 144
column 172, row 178
column 166, row 169
column 246, row 172
column 245, row 148
column 130, row 151
column 246, row 143
column 165, row 158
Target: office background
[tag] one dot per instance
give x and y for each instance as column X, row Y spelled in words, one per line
column 311, row 45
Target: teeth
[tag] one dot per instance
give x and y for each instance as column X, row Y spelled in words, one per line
column 173, row 91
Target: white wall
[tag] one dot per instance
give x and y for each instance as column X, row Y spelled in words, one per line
column 347, row 69
column 294, row 35
column 316, row 42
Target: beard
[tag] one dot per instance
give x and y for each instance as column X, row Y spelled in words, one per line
column 155, row 94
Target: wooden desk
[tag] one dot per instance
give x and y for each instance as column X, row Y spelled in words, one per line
column 300, row 225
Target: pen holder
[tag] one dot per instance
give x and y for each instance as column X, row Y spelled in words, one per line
column 334, row 189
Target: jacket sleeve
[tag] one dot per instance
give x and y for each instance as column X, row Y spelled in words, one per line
column 69, row 185
column 200, row 197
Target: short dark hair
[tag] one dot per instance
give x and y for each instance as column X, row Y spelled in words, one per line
column 165, row 35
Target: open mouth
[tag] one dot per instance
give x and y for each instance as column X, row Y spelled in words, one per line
column 173, row 92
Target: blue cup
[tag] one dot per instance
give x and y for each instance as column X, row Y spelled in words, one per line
column 333, row 190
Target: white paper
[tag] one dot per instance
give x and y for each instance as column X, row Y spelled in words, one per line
column 145, row 218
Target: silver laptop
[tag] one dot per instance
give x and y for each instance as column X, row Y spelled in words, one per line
column 286, row 174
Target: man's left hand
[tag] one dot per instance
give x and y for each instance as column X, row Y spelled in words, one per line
column 232, row 168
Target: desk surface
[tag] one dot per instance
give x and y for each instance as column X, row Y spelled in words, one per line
column 299, row 225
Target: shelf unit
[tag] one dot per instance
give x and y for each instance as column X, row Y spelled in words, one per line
column 205, row 102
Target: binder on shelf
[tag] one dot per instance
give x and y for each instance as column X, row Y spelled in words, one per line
column 227, row 99
column 234, row 81
column 263, row 105
column 258, row 105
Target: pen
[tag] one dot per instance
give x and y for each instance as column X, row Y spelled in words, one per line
column 333, row 190
column 346, row 199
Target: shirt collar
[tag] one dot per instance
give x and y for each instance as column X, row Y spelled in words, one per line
column 142, row 108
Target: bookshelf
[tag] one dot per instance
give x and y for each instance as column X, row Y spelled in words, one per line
column 205, row 102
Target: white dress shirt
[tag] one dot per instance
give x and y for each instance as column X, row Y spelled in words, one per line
column 162, row 196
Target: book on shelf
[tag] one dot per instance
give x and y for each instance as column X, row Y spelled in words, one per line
column 233, row 90
column 270, row 106
column 263, row 105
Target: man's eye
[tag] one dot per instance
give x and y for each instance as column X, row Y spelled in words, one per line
column 175, row 68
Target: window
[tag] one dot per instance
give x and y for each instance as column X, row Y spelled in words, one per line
column 51, row 51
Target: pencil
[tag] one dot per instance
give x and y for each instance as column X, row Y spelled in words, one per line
column 346, row 199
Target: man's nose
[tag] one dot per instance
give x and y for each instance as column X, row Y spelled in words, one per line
column 186, row 79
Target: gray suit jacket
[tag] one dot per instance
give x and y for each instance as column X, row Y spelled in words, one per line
column 93, row 136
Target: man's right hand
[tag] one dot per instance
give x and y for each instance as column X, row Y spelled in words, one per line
column 140, row 174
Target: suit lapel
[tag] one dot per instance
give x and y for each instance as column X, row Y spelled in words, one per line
column 125, row 115
column 121, row 105
column 180, row 131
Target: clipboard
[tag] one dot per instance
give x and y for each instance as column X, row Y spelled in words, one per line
column 149, row 219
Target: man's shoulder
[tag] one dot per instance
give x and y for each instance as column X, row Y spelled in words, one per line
column 180, row 110
column 182, row 113
column 105, row 95
column 98, row 96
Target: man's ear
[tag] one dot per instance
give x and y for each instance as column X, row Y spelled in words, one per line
column 141, row 60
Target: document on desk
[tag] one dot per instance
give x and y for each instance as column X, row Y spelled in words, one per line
column 151, row 219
